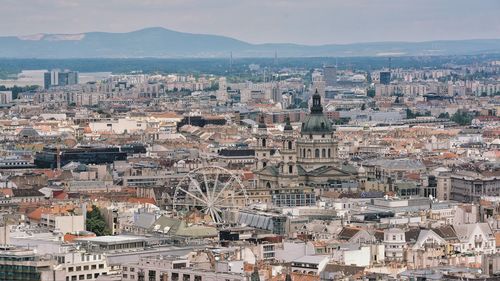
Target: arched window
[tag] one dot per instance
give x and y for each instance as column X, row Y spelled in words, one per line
column 289, row 144
column 329, row 153
column 316, row 153
column 264, row 164
column 323, row 153
column 308, row 153
column 290, row 169
column 263, row 142
column 268, row 185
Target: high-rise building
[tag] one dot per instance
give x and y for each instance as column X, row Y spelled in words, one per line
column 47, row 81
column 330, row 74
column 60, row 78
column 385, row 77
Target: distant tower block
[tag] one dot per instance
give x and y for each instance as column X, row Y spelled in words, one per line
column 330, row 74
column 385, row 77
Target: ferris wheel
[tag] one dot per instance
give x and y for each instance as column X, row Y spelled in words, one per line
column 211, row 190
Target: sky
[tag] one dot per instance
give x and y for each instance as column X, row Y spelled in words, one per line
column 311, row 22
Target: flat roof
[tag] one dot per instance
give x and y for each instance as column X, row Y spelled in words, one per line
column 112, row 239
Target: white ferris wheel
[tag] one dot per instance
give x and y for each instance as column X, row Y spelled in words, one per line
column 211, row 190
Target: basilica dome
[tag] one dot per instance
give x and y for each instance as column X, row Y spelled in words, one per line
column 316, row 122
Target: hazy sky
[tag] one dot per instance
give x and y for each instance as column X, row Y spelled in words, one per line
column 262, row 21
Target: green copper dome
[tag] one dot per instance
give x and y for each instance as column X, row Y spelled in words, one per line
column 316, row 122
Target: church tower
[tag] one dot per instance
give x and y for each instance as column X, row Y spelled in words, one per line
column 288, row 150
column 262, row 150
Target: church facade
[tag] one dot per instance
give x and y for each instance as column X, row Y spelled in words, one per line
column 302, row 163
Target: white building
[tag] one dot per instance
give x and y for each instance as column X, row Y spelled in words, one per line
column 63, row 224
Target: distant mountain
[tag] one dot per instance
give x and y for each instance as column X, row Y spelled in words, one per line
column 163, row 43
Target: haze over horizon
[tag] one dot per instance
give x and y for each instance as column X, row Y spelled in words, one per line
column 315, row 22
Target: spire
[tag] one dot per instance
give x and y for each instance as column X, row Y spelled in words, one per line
column 262, row 122
column 288, row 126
column 316, row 107
column 255, row 274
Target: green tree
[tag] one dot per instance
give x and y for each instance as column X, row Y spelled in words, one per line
column 370, row 93
column 462, row 118
column 410, row 114
column 96, row 223
column 16, row 90
column 444, row 115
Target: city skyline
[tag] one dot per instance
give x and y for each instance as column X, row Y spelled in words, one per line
column 313, row 23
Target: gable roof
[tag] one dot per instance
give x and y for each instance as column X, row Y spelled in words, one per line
column 26, row 193
column 446, row 232
column 464, row 231
column 348, row 270
column 348, row 232
column 412, row 234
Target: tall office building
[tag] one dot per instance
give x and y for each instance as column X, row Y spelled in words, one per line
column 330, row 74
column 385, row 77
column 60, row 78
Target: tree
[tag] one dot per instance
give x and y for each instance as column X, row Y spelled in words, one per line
column 370, row 93
column 96, row 223
column 444, row 115
column 409, row 114
column 16, row 90
column 462, row 118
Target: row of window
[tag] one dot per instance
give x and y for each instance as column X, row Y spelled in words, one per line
column 85, row 267
column 84, row 276
column 317, row 152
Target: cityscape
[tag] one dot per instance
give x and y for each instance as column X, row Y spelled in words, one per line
column 200, row 147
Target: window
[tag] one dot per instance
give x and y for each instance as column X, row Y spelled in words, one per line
column 70, row 269
column 89, row 276
column 289, row 144
column 323, row 153
column 95, row 266
column 81, row 277
column 316, row 153
column 101, row 266
column 78, row 268
column 86, row 267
